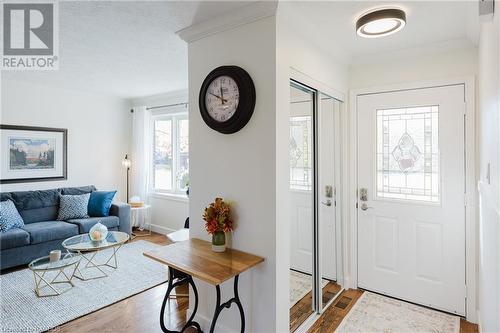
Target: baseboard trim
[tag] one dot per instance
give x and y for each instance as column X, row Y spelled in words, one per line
column 206, row 322
column 161, row 229
column 478, row 314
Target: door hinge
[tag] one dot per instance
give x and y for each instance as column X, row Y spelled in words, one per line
column 465, row 199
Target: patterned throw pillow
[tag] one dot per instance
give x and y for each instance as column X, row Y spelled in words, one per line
column 73, row 206
column 9, row 216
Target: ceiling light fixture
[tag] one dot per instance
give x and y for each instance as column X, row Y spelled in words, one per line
column 379, row 23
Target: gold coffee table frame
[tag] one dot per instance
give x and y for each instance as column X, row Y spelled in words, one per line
column 87, row 249
column 41, row 266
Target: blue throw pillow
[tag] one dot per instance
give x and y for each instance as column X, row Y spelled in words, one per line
column 73, row 207
column 100, row 203
column 9, row 216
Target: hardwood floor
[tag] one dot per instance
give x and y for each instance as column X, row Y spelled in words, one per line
column 302, row 309
column 139, row 313
column 332, row 317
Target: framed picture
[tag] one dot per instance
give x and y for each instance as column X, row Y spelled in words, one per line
column 32, row 154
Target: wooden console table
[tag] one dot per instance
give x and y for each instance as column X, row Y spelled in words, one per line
column 195, row 258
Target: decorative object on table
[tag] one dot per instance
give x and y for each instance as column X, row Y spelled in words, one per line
column 126, row 162
column 73, row 206
column 32, row 154
column 55, row 255
column 98, row 232
column 84, row 246
column 218, row 221
column 141, row 216
column 227, row 99
column 100, row 203
column 9, row 216
column 136, row 202
column 42, row 266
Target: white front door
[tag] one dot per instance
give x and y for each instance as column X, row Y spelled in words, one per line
column 411, row 194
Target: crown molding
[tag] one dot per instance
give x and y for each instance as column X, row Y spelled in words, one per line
column 230, row 20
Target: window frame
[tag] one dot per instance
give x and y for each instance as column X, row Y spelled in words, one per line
column 175, row 116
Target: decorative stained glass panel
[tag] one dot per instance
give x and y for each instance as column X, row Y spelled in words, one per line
column 408, row 153
column 300, row 153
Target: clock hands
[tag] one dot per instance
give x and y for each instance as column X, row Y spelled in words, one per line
column 219, row 97
column 222, row 94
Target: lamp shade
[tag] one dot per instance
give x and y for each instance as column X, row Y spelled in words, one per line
column 126, row 162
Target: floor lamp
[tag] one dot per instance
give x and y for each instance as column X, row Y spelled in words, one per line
column 126, row 162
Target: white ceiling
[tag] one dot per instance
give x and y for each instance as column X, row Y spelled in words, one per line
column 130, row 49
column 127, row 49
column 430, row 25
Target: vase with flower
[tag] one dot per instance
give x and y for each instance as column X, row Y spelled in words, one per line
column 218, row 222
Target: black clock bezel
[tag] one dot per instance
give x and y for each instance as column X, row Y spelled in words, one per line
column 246, row 103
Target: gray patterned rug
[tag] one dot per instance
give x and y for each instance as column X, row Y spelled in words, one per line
column 23, row 311
column 376, row 313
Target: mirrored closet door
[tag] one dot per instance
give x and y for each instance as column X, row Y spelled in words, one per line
column 313, row 213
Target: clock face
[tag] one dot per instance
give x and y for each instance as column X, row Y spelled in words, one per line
column 222, row 98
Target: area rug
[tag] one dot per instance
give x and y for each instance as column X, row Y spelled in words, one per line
column 376, row 313
column 23, row 311
column 300, row 285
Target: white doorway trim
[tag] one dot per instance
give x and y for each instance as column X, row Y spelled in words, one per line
column 350, row 174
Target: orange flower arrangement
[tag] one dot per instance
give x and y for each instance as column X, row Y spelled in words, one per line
column 217, row 217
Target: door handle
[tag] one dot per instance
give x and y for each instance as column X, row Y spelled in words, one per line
column 364, row 206
column 327, row 203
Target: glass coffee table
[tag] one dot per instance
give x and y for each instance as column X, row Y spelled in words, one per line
column 65, row 269
column 88, row 249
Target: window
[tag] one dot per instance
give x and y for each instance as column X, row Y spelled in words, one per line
column 408, row 154
column 300, row 153
column 170, row 165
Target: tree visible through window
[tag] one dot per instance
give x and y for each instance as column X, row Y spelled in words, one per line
column 170, row 165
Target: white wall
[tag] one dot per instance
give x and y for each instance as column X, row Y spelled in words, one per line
column 240, row 167
column 98, row 131
column 489, row 143
column 455, row 63
column 168, row 213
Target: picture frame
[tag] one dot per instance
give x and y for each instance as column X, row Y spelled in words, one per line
column 32, row 154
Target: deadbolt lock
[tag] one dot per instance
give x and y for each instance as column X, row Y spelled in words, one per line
column 363, row 194
column 328, row 191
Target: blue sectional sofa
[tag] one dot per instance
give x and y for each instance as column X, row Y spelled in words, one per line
column 42, row 232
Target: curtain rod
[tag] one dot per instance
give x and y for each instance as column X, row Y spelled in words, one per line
column 164, row 106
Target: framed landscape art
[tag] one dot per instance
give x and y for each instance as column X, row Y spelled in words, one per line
column 32, row 154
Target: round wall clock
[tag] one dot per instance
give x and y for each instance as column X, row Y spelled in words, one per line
column 227, row 99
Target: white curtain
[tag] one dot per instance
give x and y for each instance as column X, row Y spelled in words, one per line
column 140, row 156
